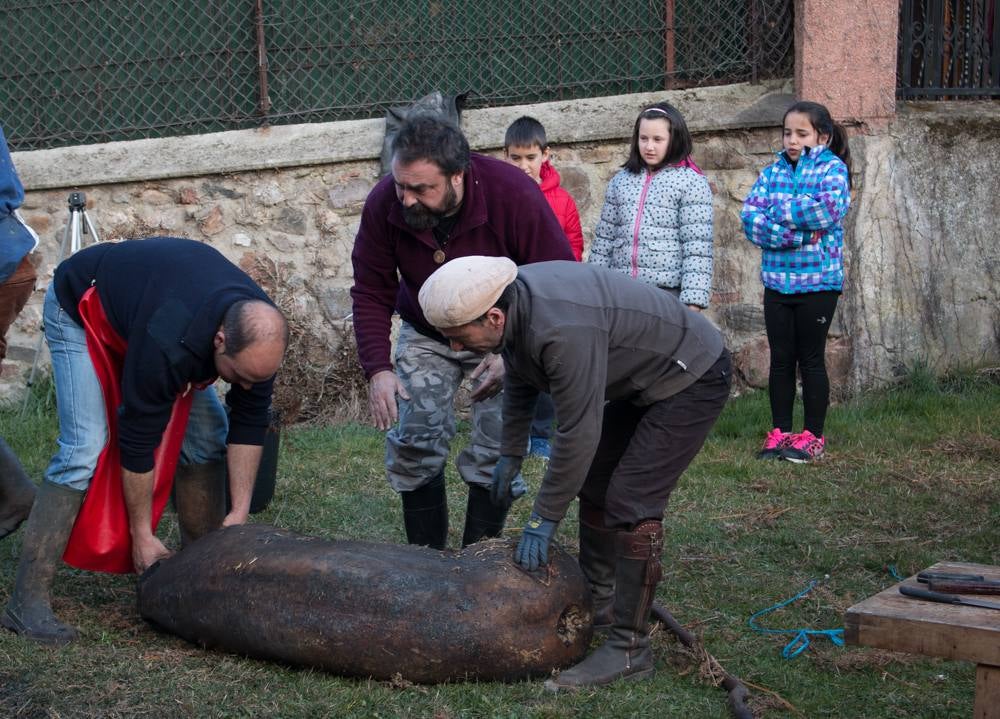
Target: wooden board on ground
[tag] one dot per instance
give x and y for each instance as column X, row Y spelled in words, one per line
column 890, row 620
column 896, row 622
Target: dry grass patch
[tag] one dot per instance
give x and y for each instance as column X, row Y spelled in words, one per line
column 320, row 381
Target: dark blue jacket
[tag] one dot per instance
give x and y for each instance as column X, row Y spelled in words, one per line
column 16, row 238
column 166, row 297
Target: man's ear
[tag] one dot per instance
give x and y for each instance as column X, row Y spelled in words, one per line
column 219, row 340
column 496, row 317
column 457, row 179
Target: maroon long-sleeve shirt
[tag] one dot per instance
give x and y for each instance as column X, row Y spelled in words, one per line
column 503, row 214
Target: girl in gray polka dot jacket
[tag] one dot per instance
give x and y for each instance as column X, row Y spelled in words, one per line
column 656, row 223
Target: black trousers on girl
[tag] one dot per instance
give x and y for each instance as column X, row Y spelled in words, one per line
column 797, row 326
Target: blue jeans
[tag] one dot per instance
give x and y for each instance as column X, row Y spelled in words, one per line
column 83, row 425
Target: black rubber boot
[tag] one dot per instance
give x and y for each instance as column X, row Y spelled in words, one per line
column 425, row 514
column 626, row 653
column 598, row 561
column 29, row 611
column 200, row 499
column 482, row 519
column 17, row 492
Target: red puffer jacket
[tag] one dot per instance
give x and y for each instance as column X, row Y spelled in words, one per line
column 564, row 207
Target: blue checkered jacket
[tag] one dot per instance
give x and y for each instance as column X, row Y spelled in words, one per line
column 794, row 214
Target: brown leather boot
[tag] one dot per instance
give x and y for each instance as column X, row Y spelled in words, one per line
column 29, row 611
column 626, row 653
column 598, row 560
column 200, row 499
column 17, row 492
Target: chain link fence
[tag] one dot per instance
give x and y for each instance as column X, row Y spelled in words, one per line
column 87, row 71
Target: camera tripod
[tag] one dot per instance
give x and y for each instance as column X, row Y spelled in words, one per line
column 79, row 224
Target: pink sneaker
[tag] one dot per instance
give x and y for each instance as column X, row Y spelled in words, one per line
column 774, row 444
column 805, row 447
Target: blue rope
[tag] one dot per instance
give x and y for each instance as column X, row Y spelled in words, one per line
column 894, row 573
column 800, row 642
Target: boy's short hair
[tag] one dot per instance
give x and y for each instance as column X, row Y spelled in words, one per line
column 524, row 132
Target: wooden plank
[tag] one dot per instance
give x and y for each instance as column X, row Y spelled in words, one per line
column 987, row 692
column 890, row 620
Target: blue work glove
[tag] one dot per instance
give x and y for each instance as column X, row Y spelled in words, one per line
column 507, row 481
column 533, row 549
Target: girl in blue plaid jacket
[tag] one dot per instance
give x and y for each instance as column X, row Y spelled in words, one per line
column 795, row 215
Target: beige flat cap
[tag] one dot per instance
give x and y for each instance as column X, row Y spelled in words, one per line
column 463, row 289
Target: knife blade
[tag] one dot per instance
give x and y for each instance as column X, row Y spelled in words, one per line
column 950, row 577
column 918, row 593
column 964, row 587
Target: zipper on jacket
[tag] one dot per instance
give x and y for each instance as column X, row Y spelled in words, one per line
column 638, row 222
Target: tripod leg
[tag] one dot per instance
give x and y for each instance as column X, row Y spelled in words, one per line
column 90, row 227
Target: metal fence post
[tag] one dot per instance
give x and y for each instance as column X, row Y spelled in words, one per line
column 265, row 99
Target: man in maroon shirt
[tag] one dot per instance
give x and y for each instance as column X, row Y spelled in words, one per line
column 439, row 203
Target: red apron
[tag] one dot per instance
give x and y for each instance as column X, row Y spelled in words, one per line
column 100, row 540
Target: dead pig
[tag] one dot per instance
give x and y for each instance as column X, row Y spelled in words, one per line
column 372, row 610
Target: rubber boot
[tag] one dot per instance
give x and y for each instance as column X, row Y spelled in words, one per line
column 29, row 611
column 626, row 653
column 598, row 561
column 425, row 514
column 200, row 499
column 482, row 519
column 17, row 492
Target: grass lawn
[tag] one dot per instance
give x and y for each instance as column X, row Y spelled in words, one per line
column 912, row 477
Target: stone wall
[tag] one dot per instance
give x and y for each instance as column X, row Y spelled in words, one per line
column 922, row 278
column 924, row 273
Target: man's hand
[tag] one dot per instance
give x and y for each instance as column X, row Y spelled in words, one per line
column 146, row 551
column 138, row 491
column 382, row 390
column 490, row 373
column 235, row 518
column 695, row 308
column 506, row 470
column 533, row 549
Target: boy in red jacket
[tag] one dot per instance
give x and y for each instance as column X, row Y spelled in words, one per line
column 525, row 146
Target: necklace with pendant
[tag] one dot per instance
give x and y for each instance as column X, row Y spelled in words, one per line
column 442, row 234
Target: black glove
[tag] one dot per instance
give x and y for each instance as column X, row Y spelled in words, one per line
column 533, row 549
column 508, row 467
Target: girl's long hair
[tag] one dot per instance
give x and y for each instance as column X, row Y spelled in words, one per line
column 822, row 122
column 678, row 146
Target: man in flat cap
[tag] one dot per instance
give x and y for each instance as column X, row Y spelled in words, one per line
column 637, row 380
column 441, row 202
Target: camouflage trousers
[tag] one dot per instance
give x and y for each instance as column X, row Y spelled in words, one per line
column 416, row 449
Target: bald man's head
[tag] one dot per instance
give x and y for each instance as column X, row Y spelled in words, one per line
column 251, row 342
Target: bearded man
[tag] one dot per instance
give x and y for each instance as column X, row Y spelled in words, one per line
column 440, row 202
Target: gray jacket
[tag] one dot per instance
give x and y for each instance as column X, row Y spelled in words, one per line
column 658, row 228
column 586, row 335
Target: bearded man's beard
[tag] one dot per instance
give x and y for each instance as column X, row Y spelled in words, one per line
column 420, row 217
